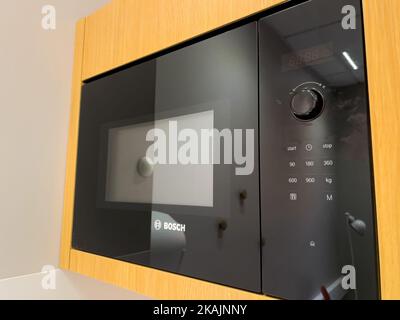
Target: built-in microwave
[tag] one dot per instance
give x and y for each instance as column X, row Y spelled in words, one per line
column 241, row 158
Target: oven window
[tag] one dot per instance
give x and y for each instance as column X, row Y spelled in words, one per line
column 157, row 162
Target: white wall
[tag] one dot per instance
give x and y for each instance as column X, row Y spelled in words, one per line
column 35, row 82
column 67, row 286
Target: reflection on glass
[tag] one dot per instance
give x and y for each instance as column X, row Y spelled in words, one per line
column 170, row 182
column 317, row 205
column 167, row 246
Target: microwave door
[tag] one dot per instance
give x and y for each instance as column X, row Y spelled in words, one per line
column 167, row 173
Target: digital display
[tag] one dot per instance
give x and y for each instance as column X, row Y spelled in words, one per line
column 307, row 57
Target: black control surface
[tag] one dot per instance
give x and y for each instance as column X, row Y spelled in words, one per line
column 316, row 184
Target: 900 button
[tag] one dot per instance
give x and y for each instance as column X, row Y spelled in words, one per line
column 310, row 180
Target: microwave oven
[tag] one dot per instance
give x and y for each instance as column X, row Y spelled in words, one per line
column 242, row 158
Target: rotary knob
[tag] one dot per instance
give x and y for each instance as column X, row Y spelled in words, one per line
column 307, row 104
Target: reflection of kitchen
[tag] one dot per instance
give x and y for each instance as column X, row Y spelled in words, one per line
column 167, row 246
column 131, row 150
column 133, row 176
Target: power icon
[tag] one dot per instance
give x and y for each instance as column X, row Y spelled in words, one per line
column 309, row 147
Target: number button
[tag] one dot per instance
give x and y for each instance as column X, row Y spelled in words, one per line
column 328, row 163
column 310, row 180
column 292, row 180
column 310, row 163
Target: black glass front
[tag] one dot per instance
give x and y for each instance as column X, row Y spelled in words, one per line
column 316, row 191
column 182, row 217
column 289, row 89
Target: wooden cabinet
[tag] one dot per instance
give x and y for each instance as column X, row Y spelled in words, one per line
column 127, row 30
column 124, row 31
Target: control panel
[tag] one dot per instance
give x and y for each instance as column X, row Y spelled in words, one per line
column 317, row 206
column 311, row 165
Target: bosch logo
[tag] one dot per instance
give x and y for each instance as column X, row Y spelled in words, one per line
column 169, row 226
column 157, row 224
column 174, row 226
